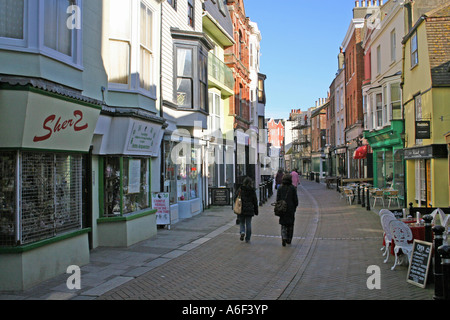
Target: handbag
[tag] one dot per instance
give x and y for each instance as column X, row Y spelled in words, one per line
column 281, row 206
column 238, row 204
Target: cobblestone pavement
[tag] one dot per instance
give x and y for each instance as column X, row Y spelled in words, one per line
column 202, row 259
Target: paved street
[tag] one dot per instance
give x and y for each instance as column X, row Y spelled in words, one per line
column 202, row 259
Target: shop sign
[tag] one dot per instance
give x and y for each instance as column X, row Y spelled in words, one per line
column 423, row 130
column 145, row 137
column 57, row 124
column 160, row 202
column 426, row 152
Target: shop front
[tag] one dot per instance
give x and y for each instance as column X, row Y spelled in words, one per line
column 126, row 147
column 388, row 157
column 44, row 199
column 426, row 181
column 183, row 178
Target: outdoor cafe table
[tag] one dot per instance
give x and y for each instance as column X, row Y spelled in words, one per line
column 418, row 232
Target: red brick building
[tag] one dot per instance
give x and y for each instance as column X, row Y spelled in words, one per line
column 354, row 76
column 275, row 131
column 237, row 58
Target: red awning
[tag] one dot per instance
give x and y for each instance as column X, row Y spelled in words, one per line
column 360, row 153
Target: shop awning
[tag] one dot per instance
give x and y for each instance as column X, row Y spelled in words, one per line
column 360, row 153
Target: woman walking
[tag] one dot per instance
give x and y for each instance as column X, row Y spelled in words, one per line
column 288, row 193
column 249, row 208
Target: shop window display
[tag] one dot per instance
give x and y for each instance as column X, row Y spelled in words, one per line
column 126, row 185
column 7, row 198
column 50, row 194
column 170, row 181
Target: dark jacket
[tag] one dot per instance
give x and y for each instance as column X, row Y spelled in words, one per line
column 288, row 193
column 279, row 178
column 249, row 201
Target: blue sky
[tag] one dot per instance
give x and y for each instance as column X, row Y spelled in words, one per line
column 299, row 47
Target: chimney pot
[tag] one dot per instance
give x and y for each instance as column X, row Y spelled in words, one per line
column 357, row 4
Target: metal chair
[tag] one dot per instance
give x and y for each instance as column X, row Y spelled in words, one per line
column 349, row 195
column 393, row 195
column 387, row 237
column 378, row 194
column 401, row 234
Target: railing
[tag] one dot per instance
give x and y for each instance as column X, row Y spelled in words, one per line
column 218, row 70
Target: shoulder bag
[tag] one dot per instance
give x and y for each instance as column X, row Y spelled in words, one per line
column 238, row 204
column 281, row 206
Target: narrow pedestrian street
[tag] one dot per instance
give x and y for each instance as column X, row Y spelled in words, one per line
column 334, row 244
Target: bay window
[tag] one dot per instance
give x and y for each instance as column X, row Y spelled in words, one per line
column 184, row 77
column 43, row 26
column 131, row 56
column 190, row 70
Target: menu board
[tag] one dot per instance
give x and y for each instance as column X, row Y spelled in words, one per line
column 160, row 202
column 420, row 263
column 220, row 196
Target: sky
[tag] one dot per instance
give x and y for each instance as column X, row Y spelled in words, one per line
column 299, row 48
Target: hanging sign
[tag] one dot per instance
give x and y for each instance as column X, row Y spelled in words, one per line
column 423, row 130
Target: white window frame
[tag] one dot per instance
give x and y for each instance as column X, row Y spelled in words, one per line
column 33, row 36
column 134, row 63
column 393, row 38
column 414, row 51
column 379, row 59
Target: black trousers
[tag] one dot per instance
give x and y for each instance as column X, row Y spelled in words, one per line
column 287, row 232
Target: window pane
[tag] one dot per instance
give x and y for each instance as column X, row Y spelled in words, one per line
column 119, row 19
column 7, row 199
column 184, row 93
column 119, row 62
column 145, row 69
column 379, row 110
column 112, row 186
column 51, row 195
column 11, row 19
column 184, row 61
column 396, row 101
column 146, row 27
column 135, row 185
column 56, row 34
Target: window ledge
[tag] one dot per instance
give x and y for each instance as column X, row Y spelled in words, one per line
column 42, row 243
column 128, row 216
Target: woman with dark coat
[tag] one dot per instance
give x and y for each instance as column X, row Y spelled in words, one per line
column 288, row 193
column 249, row 208
column 278, row 178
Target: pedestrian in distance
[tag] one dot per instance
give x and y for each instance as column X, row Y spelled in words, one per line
column 249, row 208
column 288, row 193
column 278, row 178
column 295, row 178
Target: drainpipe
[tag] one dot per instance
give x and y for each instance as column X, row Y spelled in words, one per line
column 161, row 112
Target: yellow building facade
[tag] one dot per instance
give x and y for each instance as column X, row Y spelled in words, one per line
column 426, row 96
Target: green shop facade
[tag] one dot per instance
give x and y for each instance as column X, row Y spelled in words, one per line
column 45, row 137
column 388, row 157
